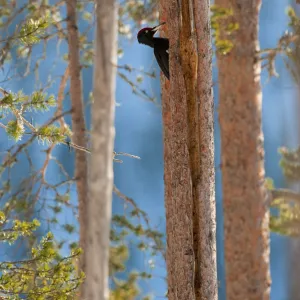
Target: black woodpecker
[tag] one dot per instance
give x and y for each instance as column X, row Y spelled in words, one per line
column 161, row 46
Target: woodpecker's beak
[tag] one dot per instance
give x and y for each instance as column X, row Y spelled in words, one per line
column 154, row 29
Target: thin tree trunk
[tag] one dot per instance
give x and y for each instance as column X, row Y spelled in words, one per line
column 188, row 153
column 78, row 123
column 101, row 163
column 246, row 211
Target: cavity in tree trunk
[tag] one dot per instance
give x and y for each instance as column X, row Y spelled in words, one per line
column 246, row 211
column 188, row 153
column 101, row 162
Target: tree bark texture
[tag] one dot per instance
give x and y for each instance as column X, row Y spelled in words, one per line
column 189, row 153
column 294, row 243
column 294, row 269
column 246, row 211
column 78, row 123
column 102, row 144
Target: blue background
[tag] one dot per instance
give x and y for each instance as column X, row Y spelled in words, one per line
column 139, row 132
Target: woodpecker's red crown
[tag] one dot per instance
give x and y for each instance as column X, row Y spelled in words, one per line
column 152, row 29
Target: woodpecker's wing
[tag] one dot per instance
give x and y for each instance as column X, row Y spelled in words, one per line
column 163, row 61
column 161, row 52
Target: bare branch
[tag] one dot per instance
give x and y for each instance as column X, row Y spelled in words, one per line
column 285, row 194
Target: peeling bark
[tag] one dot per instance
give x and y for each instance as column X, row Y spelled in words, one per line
column 188, row 153
column 246, row 211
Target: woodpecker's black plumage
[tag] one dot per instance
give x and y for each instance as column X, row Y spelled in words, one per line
column 161, row 47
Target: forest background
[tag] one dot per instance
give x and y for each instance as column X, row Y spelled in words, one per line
column 139, row 133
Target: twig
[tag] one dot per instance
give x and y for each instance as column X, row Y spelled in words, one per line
column 140, row 212
column 271, row 53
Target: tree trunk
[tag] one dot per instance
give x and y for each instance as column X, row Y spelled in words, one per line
column 78, row 123
column 188, row 153
column 101, row 162
column 294, row 269
column 246, row 212
column 294, row 242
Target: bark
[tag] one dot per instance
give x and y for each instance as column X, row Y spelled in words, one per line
column 294, row 242
column 294, row 269
column 78, row 123
column 246, row 212
column 188, row 153
column 101, row 162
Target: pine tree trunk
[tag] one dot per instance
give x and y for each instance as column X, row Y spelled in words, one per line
column 78, row 123
column 294, row 269
column 294, row 243
column 246, row 213
column 101, row 162
column 188, row 153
